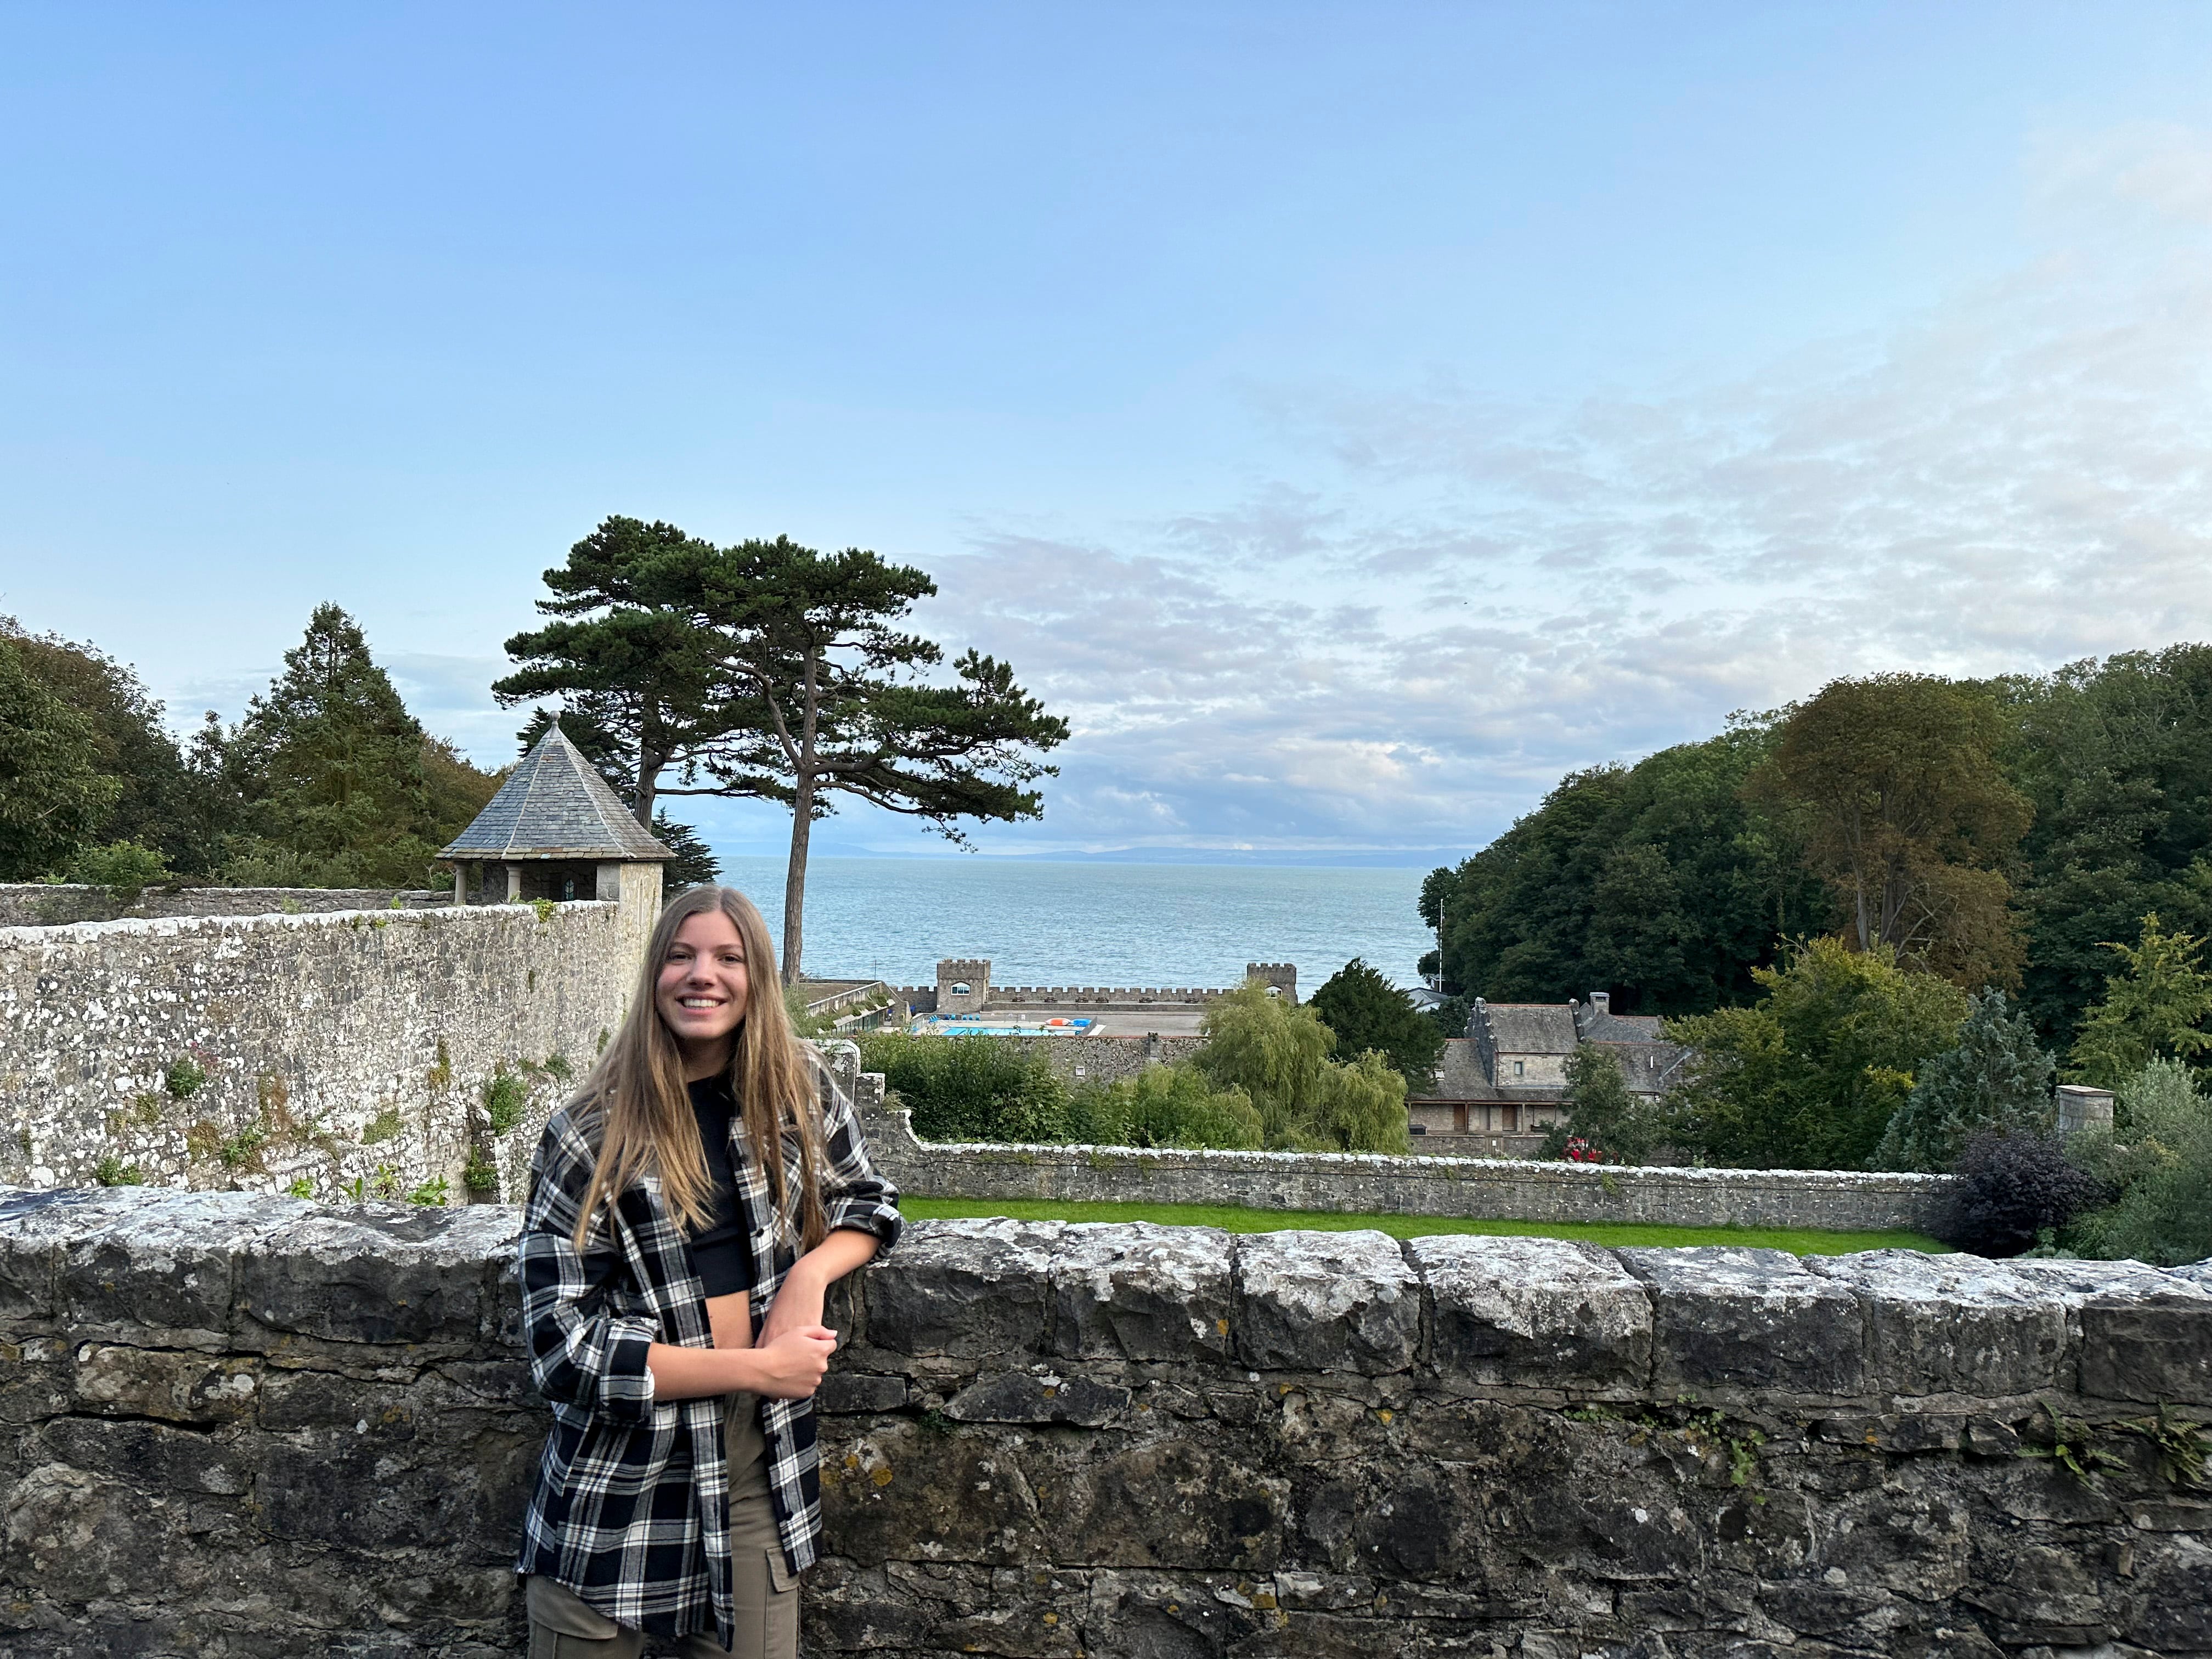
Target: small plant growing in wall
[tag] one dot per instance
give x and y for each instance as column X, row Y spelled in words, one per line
column 146, row 1107
column 112, row 1171
column 244, row 1148
column 301, row 1187
column 432, row 1193
column 480, row 1174
column 385, row 1126
column 505, row 1096
column 440, row 1076
column 544, row 908
column 2072, row 1445
column 557, row 1068
column 185, row 1078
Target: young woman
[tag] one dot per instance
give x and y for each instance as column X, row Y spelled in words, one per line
column 688, row 1211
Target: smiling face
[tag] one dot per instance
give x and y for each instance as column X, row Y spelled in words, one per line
column 701, row 990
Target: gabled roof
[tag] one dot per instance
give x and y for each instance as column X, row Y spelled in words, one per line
column 1532, row 1028
column 1459, row 1075
column 1610, row 1027
column 555, row 806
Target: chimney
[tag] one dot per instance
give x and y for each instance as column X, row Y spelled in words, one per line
column 1601, row 1003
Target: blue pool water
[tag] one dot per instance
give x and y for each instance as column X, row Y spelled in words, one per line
column 1093, row 924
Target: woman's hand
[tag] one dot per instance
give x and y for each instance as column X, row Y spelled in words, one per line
column 798, row 1304
column 790, row 1366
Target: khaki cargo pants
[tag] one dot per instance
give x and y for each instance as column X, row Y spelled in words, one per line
column 561, row 1627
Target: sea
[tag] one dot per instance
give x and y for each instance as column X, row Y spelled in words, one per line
column 1092, row 924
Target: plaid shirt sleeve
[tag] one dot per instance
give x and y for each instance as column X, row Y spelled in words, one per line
column 854, row 1194
column 585, row 1349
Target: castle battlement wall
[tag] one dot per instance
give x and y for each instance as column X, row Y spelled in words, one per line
column 263, row 1427
column 257, row 1051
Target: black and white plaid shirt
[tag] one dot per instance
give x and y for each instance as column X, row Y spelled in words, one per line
column 631, row 1509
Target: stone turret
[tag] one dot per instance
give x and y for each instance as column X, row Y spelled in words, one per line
column 963, row 985
column 1282, row 975
column 556, row 832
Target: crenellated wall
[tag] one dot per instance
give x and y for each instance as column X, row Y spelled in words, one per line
column 329, row 1047
column 254, row 1427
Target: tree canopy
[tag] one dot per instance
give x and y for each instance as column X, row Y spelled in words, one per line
column 1277, row 1053
column 771, row 670
column 1660, row 882
column 1809, row 1076
column 1367, row 1012
column 54, row 795
column 1904, row 812
column 2154, row 1008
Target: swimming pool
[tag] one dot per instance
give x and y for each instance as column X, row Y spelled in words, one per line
column 973, row 1025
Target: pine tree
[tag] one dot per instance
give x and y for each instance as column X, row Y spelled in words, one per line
column 1997, row 1077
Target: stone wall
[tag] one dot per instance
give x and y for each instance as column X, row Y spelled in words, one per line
column 1368, row 1184
column 331, row 1048
column 1104, row 1059
column 252, row 1427
column 48, row 904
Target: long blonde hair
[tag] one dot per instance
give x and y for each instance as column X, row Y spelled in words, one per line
column 635, row 1097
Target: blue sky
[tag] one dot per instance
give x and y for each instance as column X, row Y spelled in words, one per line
column 1351, row 416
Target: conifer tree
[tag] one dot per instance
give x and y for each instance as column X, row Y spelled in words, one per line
column 330, row 766
column 1997, row 1077
column 1367, row 1012
column 2152, row 1009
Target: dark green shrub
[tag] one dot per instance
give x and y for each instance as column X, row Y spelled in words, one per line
column 506, row 1094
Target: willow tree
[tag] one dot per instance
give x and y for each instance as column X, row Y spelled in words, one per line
column 826, row 694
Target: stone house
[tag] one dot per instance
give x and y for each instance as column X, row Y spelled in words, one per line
column 1504, row 1084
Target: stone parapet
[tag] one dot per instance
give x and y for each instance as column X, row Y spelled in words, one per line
column 257, row 1427
column 51, row 904
column 1373, row 1183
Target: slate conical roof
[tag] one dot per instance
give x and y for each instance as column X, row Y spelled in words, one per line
column 555, row 806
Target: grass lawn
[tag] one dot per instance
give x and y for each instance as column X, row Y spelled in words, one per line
column 1797, row 1241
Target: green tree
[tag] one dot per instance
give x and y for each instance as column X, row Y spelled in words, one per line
column 1367, row 1012
column 1661, row 882
column 833, row 702
column 972, row 1089
column 1602, row 1111
column 636, row 664
column 1277, row 1053
column 331, row 768
column 159, row 802
column 1995, row 1078
column 2153, row 1009
column 2117, row 757
column 1906, row 814
column 1809, row 1076
column 54, row 795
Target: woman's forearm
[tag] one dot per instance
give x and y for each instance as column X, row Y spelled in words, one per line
column 839, row 1253
column 681, row 1373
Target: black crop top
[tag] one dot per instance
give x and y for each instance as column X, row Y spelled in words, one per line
column 722, row 1253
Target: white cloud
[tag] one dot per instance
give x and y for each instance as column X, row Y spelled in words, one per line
column 1458, row 601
